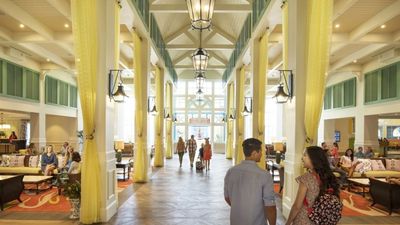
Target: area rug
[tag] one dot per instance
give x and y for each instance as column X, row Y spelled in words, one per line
column 356, row 205
column 48, row 201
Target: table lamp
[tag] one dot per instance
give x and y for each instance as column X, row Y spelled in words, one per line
column 278, row 148
column 119, row 145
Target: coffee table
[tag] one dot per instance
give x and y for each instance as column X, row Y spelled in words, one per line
column 36, row 180
column 360, row 182
column 125, row 166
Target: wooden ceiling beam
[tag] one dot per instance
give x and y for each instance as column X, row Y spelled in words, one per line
column 207, row 47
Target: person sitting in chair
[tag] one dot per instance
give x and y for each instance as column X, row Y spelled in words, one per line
column 75, row 166
column 49, row 161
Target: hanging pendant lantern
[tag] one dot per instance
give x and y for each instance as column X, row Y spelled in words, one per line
column 200, row 12
column 200, row 79
column 200, row 60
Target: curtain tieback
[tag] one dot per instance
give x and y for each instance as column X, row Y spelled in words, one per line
column 90, row 136
column 309, row 140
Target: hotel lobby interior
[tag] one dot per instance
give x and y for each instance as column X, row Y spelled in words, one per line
column 112, row 85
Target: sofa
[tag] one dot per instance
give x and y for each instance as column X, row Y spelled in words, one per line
column 24, row 164
column 377, row 167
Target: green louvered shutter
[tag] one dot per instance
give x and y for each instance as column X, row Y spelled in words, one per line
column 389, row 82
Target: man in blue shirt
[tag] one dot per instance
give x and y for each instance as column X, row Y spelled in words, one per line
column 249, row 190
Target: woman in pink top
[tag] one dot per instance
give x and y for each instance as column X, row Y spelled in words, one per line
column 335, row 150
column 207, row 153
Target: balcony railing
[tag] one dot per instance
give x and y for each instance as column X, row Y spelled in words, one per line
column 142, row 6
column 259, row 7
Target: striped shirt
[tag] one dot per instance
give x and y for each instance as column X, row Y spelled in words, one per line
column 191, row 145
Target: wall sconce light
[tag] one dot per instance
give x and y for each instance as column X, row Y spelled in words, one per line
column 151, row 105
column 167, row 116
column 119, row 95
column 281, row 96
column 232, row 114
column 248, row 106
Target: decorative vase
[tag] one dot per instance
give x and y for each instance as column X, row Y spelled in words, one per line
column 118, row 155
column 75, row 208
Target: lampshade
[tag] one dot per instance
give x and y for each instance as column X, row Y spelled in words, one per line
column 119, row 144
column 200, row 12
column 278, row 146
column 200, row 60
column 119, row 95
column 281, row 96
column 199, row 95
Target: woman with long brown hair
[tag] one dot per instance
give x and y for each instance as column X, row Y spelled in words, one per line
column 180, row 148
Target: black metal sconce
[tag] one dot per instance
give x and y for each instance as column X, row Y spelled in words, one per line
column 248, row 106
column 167, row 116
column 119, row 95
column 151, row 105
column 232, row 114
column 281, row 96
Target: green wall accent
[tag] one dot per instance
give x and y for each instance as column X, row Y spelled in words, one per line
column 382, row 84
column 341, row 95
column 18, row 82
column 60, row 93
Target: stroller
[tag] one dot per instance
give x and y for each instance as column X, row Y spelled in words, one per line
column 199, row 164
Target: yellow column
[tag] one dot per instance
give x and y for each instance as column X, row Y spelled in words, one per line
column 140, row 86
column 159, row 120
column 259, row 79
column 319, row 27
column 84, row 18
column 240, row 77
column 168, row 136
column 229, row 136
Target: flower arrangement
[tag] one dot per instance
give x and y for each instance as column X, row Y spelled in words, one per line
column 73, row 190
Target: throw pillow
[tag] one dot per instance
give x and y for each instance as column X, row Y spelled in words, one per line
column 377, row 165
column 363, row 166
column 5, row 160
column 13, row 161
column 33, row 161
column 393, row 164
column 21, row 159
column 26, row 160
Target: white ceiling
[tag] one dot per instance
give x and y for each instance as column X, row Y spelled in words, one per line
column 45, row 35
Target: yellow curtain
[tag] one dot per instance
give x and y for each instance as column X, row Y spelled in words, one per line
column 140, row 165
column 319, row 30
column 85, row 31
column 168, row 137
column 229, row 137
column 159, row 120
column 285, row 30
column 260, row 87
column 240, row 77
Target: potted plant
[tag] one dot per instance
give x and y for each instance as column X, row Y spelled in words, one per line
column 73, row 191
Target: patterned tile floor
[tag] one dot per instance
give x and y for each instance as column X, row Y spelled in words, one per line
column 179, row 196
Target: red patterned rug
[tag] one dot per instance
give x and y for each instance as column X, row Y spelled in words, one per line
column 356, row 205
column 47, row 201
